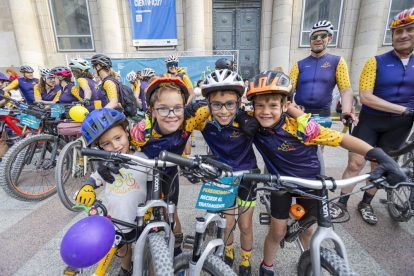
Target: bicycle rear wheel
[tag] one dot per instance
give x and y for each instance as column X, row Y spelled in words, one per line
column 28, row 168
column 213, row 265
column 69, row 174
column 157, row 260
column 401, row 198
column 331, row 264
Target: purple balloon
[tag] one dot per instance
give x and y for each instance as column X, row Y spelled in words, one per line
column 87, row 241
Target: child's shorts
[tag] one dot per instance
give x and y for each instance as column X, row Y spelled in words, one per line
column 280, row 204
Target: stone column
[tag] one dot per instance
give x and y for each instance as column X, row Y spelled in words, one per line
column 194, row 25
column 266, row 34
column 26, row 32
column 109, row 26
column 281, row 30
column 366, row 38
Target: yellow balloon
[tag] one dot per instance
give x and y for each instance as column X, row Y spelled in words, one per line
column 78, row 113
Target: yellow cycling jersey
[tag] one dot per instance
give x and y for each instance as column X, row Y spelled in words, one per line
column 110, row 88
column 368, row 75
column 187, row 81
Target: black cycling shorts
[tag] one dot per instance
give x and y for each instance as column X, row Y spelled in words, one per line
column 280, row 205
column 246, row 195
column 387, row 133
column 170, row 186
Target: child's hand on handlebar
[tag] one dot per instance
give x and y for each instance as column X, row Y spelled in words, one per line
column 86, row 195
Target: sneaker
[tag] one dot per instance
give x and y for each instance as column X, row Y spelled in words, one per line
column 124, row 272
column 192, row 143
column 336, row 211
column 264, row 272
column 229, row 261
column 367, row 213
column 245, row 270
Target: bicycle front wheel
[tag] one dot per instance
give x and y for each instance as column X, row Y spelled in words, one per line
column 213, row 265
column 157, row 260
column 70, row 173
column 331, row 264
column 28, row 168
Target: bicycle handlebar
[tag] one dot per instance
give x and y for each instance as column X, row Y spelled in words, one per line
column 403, row 150
column 177, row 159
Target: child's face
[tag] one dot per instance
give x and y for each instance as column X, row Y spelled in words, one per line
column 268, row 110
column 115, row 139
column 169, row 99
column 223, row 115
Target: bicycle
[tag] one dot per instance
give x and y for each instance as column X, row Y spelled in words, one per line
column 161, row 249
column 207, row 169
column 316, row 257
column 336, row 101
column 401, row 201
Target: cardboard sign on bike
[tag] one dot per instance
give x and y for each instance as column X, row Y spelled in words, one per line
column 30, row 121
column 56, row 110
column 215, row 196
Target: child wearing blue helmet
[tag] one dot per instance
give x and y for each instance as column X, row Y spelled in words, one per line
column 108, row 129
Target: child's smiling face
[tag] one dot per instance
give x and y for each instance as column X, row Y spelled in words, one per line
column 169, row 99
column 223, row 115
column 115, row 139
column 268, row 109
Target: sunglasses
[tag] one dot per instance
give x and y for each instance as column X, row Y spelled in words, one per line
column 172, row 64
column 315, row 36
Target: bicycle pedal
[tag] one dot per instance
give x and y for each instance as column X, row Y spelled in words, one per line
column 384, row 201
column 282, row 244
column 188, row 242
column 264, row 218
column 71, row 271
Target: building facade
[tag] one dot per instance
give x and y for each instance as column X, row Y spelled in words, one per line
column 267, row 33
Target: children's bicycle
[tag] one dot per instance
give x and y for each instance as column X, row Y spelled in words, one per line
column 213, row 199
column 315, row 258
column 153, row 252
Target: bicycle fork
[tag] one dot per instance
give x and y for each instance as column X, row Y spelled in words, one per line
column 197, row 262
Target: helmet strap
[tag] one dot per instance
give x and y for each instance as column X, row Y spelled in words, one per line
column 404, row 55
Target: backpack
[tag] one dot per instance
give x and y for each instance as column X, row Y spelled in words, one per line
column 126, row 98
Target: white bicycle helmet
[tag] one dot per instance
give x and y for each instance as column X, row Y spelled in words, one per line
column 324, row 25
column 171, row 58
column 131, row 76
column 147, row 72
column 45, row 71
column 223, row 80
column 79, row 63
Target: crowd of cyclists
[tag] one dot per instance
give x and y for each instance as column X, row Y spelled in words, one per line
column 284, row 135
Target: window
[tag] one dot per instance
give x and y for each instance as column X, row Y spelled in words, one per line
column 72, row 25
column 318, row 10
column 396, row 6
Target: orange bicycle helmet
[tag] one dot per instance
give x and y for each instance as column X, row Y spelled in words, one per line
column 164, row 79
column 269, row 82
column 404, row 18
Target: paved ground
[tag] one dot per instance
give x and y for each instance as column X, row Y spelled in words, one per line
column 31, row 233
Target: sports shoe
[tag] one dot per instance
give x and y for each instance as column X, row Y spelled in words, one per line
column 124, row 272
column 192, row 142
column 229, row 261
column 264, row 272
column 336, row 211
column 367, row 213
column 245, row 270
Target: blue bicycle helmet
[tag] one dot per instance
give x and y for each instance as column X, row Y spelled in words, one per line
column 3, row 77
column 98, row 122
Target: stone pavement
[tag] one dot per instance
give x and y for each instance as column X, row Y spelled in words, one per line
column 31, row 232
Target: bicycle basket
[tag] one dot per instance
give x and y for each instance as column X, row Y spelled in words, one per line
column 69, row 128
column 215, row 196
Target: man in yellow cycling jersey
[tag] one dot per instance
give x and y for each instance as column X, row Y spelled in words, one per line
column 386, row 118
column 25, row 84
column 315, row 77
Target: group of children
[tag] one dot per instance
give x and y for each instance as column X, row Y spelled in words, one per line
column 285, row 137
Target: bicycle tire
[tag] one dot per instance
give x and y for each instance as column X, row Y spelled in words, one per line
column 69, row 181
column 12, row 166
column 213, row 265
column 330, row 261
column 157, row 256
column 405, row 194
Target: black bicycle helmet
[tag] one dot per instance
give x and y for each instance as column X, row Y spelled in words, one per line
column 102, row 60
column 223, row 63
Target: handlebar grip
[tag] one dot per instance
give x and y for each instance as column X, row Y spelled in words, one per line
column 219, row 165
column 104, row 154
column 177, row 159
column 257, row 177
